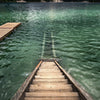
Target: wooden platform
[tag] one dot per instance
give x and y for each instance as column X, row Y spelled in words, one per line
column 49, row 81
column 7, row 28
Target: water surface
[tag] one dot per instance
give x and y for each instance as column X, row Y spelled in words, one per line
column 68, row 31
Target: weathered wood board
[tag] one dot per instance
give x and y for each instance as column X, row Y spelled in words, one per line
column 7, row 28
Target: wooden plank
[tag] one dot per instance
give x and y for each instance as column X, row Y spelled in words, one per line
column 50, row 80
column 47, row 83
column 68, row 89
column 47, row 64
column 10, row 25
column 50, row 90
column 49, row 71
column 20, row 93
column 49, row 74
column 43, row 77
column 83, row 94
column 37, row 82
column 6, row 29
column 49, row 68
column 51, row 87
column 3, row 32
column 51, row 98
column 65, row 94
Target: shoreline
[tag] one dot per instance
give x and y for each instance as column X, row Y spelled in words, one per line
column 49, row 2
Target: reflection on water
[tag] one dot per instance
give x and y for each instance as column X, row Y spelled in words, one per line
column 69, row 31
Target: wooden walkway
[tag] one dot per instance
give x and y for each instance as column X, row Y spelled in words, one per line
column 49, row 81
column 7, row 28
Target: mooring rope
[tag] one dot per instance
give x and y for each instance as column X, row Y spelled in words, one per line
column 53, row 46
column 43, row 46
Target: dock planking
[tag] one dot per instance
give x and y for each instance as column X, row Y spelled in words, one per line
column 56, row 84
column 7, row 28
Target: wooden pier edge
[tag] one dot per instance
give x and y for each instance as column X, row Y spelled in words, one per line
column 20, row 93
column 7, row 28
column 82, row 93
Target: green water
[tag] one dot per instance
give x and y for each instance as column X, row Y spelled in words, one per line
column 74, row 28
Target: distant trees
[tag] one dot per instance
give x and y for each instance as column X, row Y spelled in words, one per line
column 94, row 0
column 33, row 0
column 81, row 0
column 7, row 0
column 65, row 0
column 50, row 0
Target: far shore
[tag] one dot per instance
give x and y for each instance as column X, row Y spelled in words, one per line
column 43, row 1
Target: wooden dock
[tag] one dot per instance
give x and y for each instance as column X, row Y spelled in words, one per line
column 6, row 29
column 49, row 81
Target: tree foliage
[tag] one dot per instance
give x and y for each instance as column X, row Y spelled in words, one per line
column 7, row 0
column 50, row 0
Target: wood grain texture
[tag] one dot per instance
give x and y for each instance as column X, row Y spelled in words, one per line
column 49, row 81
column 7, row 28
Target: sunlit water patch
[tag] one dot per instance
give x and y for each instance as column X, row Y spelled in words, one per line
column 69, row 31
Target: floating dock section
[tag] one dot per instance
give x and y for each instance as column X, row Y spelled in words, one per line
column 49, row 81
column 7, row 28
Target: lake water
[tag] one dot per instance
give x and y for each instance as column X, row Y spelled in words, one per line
column 68, row 31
